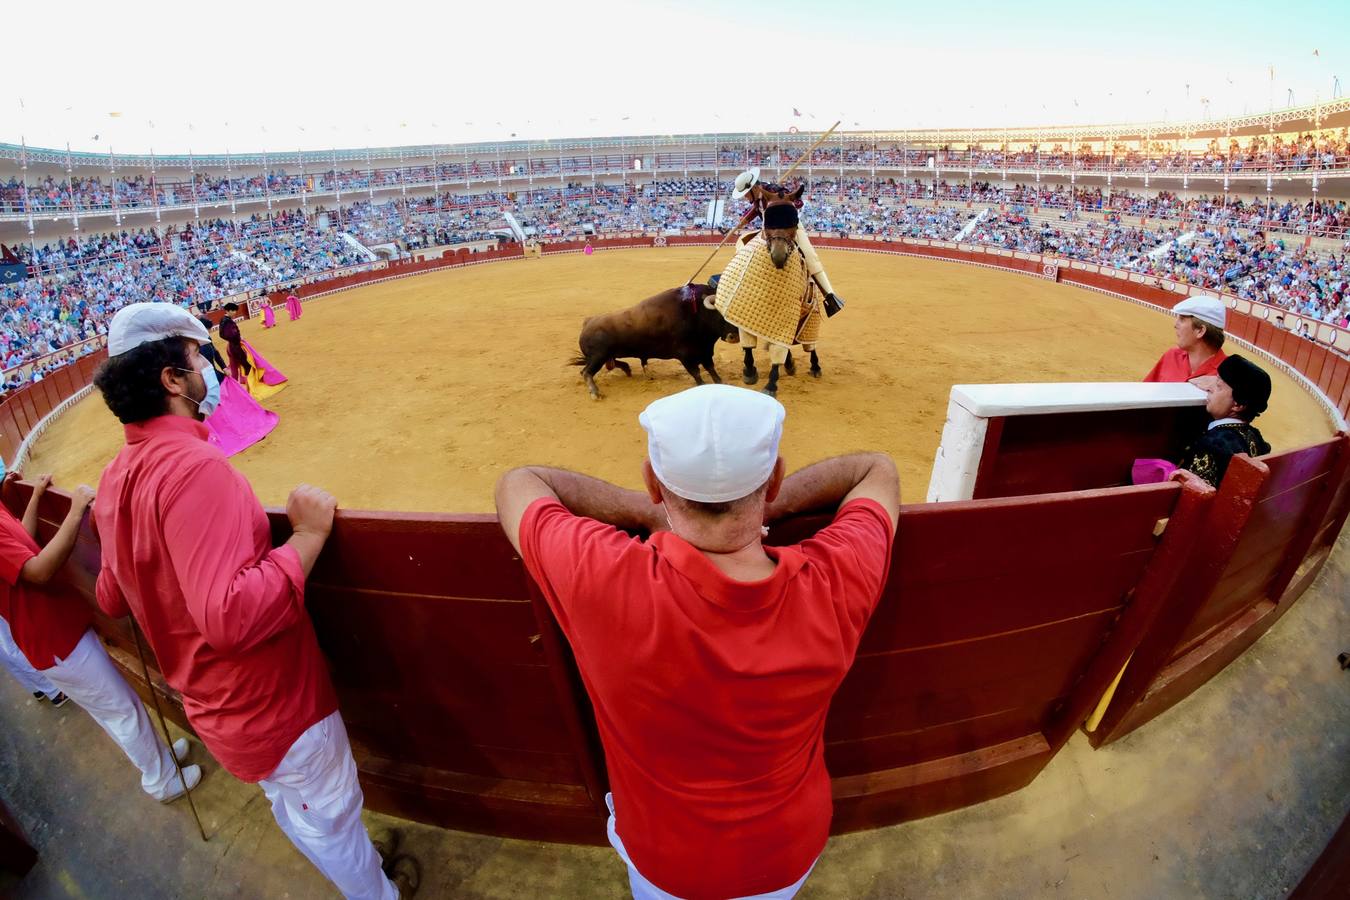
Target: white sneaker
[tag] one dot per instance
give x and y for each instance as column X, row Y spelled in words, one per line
column 181, row 749
column 193, row 776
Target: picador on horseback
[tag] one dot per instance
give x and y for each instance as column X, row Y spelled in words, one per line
column 772, row 289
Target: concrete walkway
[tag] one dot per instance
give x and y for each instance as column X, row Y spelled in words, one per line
column 1231, row 794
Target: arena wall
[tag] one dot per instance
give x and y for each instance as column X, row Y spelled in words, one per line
column 464, row 704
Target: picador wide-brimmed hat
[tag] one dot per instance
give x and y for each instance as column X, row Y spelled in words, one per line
column 744, row 182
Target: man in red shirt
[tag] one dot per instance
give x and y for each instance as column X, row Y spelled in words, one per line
column 187, row 550
column 710, row 658
column 52, row 631
column 1199, row 328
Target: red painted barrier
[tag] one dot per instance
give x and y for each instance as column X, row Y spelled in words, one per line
column 464, row 708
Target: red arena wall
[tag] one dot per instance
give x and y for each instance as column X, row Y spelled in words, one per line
column 465, row 708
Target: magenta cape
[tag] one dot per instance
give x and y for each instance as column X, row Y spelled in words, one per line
column 271, row 375
column 293, row 307
column 269, row 317
column 238, row 422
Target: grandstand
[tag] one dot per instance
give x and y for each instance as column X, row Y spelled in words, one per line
column 1265, row 196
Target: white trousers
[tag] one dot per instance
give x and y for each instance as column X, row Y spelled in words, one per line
column 89, row 678
column 317, row 802
column 813, row 264
column 644, row 890
column 12, row 658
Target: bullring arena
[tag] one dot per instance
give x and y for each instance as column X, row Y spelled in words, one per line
column 1071, row 685
column 476, row 357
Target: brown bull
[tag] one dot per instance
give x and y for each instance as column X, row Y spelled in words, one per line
column 674, row 324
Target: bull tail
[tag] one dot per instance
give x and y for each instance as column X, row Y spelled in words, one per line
column 576, row 361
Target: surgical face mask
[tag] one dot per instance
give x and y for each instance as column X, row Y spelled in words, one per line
column 211, row 400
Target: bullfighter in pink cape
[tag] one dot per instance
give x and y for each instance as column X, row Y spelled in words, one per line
column 269, row 317
column 238, row 422
column 293, row 306
column 248, row 366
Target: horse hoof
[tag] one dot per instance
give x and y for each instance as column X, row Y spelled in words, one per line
column 790, row 370
column 815, row 373
column 770, row 389
column 595, row 396
column 750, row 376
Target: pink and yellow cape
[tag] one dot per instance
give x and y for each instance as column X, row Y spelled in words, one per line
column 263, row 378
column 238, row 422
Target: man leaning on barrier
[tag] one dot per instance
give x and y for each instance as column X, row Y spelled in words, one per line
column 187, row 550
column 711, row 658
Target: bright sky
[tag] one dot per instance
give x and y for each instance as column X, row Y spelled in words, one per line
column 246, row 75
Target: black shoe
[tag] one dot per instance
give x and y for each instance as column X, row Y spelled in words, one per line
column 60, row 700
column 39, row 696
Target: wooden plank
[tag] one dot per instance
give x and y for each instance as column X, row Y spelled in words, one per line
column 1302, row 353
column 1227, row 517
column 931, row 787
column 512, row 707
column 1293, row 467
column 1050, row 590
column 52, row 395
column 464, row 757
column 430, row 554
column 25, row 413
column 363, row 623
column 934, row 541
column 1317, row 360
column 1264, row 333
column 1333, row 364
column 1022, row 668
column 1339, row 377
column 851, row 756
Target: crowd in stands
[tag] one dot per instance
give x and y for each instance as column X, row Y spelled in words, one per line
column 1328, row 149
column 1215, row 245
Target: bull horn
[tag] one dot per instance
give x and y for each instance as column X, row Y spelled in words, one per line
column 710, row 301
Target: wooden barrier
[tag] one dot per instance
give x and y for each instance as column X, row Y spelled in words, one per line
column 465, row 709
column 1273, row 524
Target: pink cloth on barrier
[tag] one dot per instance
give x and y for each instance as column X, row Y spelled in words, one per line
column 238, row 422
column 1151, row 471
column 271, row 374
column 293, row 307
column 269, row 317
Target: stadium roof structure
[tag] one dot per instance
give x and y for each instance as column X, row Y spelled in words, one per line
column 1331, row 114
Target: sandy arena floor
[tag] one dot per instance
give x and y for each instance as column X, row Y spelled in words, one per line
column 418, row 393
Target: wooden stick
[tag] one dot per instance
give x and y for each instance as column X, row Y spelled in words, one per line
column 154, row 696
column 733, row 232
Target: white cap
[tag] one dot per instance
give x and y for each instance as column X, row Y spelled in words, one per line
column 1209, row 310
column 141, row 323
column 744, row 182
column 713, row 443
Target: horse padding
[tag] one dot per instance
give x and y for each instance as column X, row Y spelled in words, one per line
column 773, row 304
